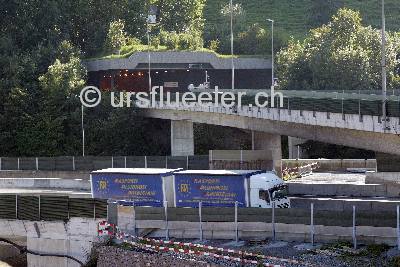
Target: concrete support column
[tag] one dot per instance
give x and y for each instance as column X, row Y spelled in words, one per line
column 272, row 142
column 182, row 141
column 295, row 151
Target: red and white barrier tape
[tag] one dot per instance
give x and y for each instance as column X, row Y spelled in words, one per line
column 159, row 245
column 207, row 247
column 198, row 253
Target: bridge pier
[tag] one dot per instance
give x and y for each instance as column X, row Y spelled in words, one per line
column 271, row 142
column 295, row 151
column 182, row 140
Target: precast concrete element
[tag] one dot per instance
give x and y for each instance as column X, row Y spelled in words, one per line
column 341, row 129
column 182, row 141
column 74, row 238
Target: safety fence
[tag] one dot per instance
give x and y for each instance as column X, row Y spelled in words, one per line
column 352, row 218
column 50, row 208
column 345, row 102
column 89, row 163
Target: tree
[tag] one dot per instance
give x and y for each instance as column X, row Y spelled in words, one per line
column 342, row 55
column 116, row 36
column 180, row 15
column 55, row 129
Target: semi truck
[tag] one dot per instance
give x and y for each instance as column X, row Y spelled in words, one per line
column 187, row 188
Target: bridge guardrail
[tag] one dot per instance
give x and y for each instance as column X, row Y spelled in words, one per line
column 89, row 163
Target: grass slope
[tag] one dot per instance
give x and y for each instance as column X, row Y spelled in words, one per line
column 294, row 17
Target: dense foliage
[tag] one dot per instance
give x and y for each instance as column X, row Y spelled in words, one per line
column 42, row 45
column 342, row 54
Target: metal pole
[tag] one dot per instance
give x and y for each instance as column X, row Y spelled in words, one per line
column 0, row 163
column 354, row 228
column 94, row 209
column 384, row 96
column 312, row 224
column 73, row 163
column 166, row 162
column 18, row 163
column 112, row 162
column 83, row 134
column 166, row 220
column 359, row 103
column 145, row 161
column 236, row 222
column 134, row 217
column 272, row 56
column 125, row 161
column 273, row 221
column 149, row 55
column 232, row 61
column 37, row 164
column 200, row 222
column 398, row 227
column 187, row 163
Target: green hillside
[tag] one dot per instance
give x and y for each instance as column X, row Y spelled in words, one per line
column 296, row 17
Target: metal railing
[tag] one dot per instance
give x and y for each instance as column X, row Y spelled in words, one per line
column 90, row 163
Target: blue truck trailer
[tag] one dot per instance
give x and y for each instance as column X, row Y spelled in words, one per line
column 143, row 186
column 178, row 188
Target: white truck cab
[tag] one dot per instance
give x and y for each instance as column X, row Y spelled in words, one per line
column 266, row 188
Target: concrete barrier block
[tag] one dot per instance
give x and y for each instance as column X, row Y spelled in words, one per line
column 255, row 226
column 332, row 230
column 183, row 225
column 219, row 226
column 376, row 231
column 291, row 228
column 253, row 235
column 150, row 224
column 219, row 234
column 322, row 238
column 193, row 234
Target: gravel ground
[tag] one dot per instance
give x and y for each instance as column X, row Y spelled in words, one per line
column 113, row 256
column 327, row 256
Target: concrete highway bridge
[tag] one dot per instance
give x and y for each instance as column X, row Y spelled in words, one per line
column 346, row 119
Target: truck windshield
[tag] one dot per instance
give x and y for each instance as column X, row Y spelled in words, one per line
column 279, row 192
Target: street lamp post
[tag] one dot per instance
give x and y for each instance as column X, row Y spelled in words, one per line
column 148, row 53
column 383, row 47
column 83, row 133
column 272, row 53
column 232, row 61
